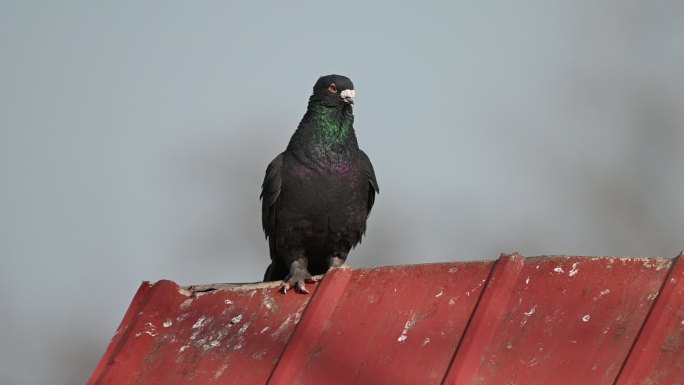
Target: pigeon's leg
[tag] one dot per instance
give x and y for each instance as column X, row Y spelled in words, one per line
column 337, row 259
column 299, row 274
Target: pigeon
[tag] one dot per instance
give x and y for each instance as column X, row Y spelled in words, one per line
column 319, row 192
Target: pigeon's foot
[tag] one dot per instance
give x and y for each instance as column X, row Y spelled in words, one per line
column 298, row 277
column 298, row 282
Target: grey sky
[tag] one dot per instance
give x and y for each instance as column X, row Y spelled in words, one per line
column 134, row 137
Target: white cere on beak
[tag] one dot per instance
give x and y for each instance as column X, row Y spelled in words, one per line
column 348, row 94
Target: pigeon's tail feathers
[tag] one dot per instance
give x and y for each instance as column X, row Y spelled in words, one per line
column 277, row 270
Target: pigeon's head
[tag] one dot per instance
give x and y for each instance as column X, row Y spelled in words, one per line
column 334, row 91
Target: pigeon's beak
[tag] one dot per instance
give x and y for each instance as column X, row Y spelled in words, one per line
column 348, row 96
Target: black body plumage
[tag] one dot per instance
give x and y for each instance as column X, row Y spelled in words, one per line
column 318, row 193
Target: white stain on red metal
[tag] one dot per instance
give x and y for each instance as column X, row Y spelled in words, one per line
column 240, row 343
column 243, row 329
column 468, row 293
column 220, row 371
column 282, row 326
column 268, row 302
column 407, row 326
column 528, row 314
column 574, row 270
column 658, row 263
column 586, row 318
column 199, row 323
column 149, row 329
column 186, row 303
column 601, row 294
column 533, row 361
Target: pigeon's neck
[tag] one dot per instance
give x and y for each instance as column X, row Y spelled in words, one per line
column 335, row 124
column 325, row 135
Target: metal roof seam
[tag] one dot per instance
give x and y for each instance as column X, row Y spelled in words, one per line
column 626, row 373
column 313, row 320
column 470, row 318
column 464, row 358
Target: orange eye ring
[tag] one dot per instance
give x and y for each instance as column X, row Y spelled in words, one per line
column 332, row 88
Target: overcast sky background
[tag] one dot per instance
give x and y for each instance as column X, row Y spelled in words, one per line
column 134, row 137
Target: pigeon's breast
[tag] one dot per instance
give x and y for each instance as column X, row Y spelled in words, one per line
column 322, row 199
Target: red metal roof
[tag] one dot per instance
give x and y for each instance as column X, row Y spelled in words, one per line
column 544, row 320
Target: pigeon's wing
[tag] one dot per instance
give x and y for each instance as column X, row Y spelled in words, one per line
column 372, row 181
column 270, row 192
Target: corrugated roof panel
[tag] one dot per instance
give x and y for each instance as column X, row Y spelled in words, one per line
column 545, row 320
column 173, row 335
column 391, row 325
column 542, row 317
column 658, row 356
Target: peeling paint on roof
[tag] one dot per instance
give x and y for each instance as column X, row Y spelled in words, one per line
column 543, row 320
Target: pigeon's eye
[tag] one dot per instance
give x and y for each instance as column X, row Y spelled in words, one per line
column 332, row 88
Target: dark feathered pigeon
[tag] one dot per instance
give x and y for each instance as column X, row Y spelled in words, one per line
column 318, row 193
